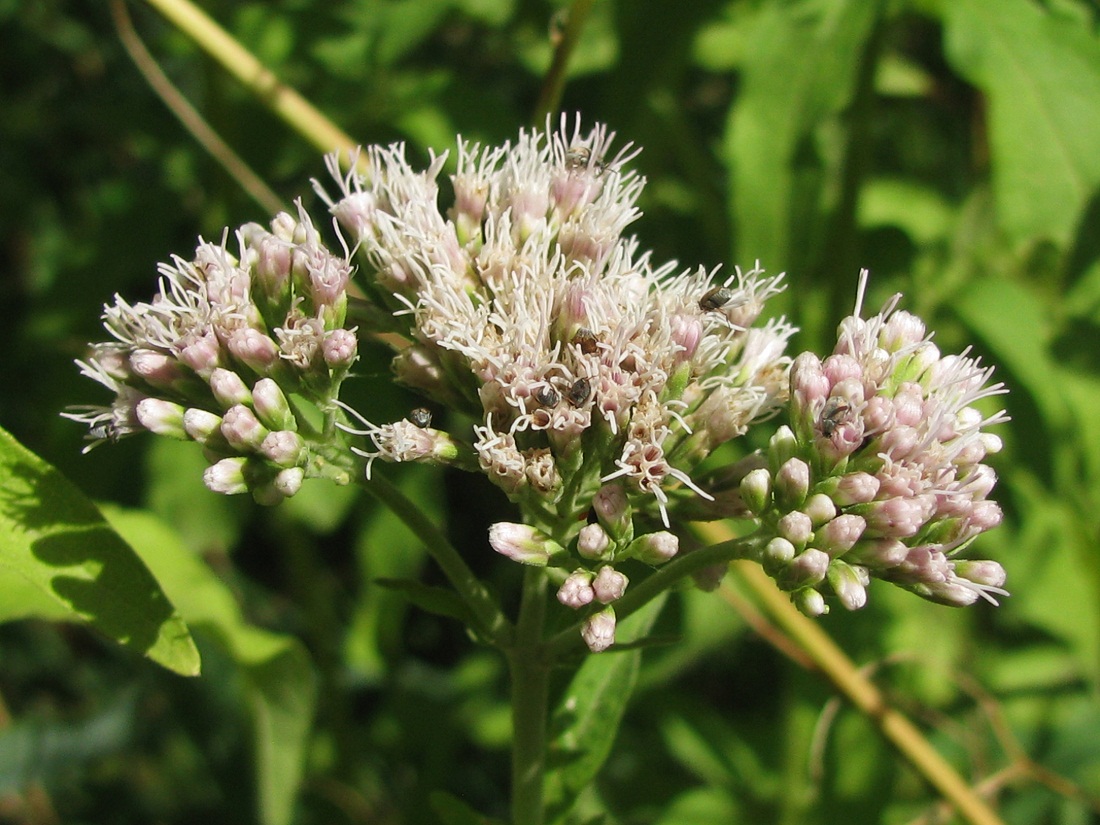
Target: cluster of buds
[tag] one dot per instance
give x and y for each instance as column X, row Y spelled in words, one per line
column 880, row 474
column 586, row 573
column 220, row 351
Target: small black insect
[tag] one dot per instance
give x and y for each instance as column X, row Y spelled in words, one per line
column 547, row 396
column 716, row 298
column 832, row 415
column 578, row 393
column 586, row 339
column 421, row 417
column 579, row 158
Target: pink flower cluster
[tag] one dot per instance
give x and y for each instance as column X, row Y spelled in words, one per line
column 880, row 473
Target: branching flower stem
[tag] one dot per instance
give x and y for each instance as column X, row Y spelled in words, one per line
column 489, row 622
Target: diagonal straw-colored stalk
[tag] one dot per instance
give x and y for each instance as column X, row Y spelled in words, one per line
column 291, row 107
column 857, row 688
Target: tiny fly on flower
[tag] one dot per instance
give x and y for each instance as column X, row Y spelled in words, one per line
column 832, row 416
column 421, row 417
column 578, row 393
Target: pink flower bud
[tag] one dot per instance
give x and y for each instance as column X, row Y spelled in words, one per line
column 339, row 348
column 592, row 541
column 778, row 552
column 598, row 631
column 229, row 389
column 839, row 535
column 202, row 425
column 796, row 527
column 843, row 369
column 820, row 508
column 849, row 587
column 161, row 417
column 807, row 568
column 576, row 591
column 271, row 406
column 157, row 368
column 982, row 572
column 226, row 477
column 655, row 548
column 756, row 490
column 282, row 447
column 203, row 354
column 609, row 585
column 252, row 347
column 856, row 488
column 242, row 429
column 289, row 481
column 522, row 543
column 613, row 510
column 791, row 482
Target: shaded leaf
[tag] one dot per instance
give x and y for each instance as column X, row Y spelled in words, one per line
column 281, row 685
column 587, row 720
column 453, row 811
column 60, row 560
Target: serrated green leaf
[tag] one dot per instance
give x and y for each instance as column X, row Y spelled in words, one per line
column 278, row 672
column 60, row 560
column 587, row 719
column 1041, row 73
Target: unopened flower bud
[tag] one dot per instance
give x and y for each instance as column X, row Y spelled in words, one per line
column 810, row 602
column 982, row 572
column 576, row 591
column 609, row 585
column 807, row 568
column 522, row 543
column 226, row 476
column 791, row 483
column 848, row 585
column 229, row 389
column 271, row 406
column 856, row 488
column 156, row 368
column 252, row 347
column 613, row 510
column 654, row 548
column 202, row 425
column 756, row 490
column 598, row 631
column 782, row 446
column 820, row 508
column 203, row 355
column 592, row 541
column 339, row 348
column 878, row 554
column 796, row 528
column 242, row 429
column 839, row 535
column 282, row 447
column 161, row 417
column 778, row 552
column 289, row 481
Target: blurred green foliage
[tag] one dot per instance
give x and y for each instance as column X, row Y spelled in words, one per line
column 947, row 146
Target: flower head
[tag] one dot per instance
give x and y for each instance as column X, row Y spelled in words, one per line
column 886, row 429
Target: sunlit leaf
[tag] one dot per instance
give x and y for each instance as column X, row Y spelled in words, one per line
column 60, row 560
column 1041, row 74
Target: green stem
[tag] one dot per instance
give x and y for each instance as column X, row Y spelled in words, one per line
column 664, row 579
column 489, row 621
column 550, row 96
column 530, row 674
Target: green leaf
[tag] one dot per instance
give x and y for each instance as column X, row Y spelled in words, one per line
column 800, row 70
column 436, row 600
column 281, row 685
column 1041, row 73
column 60, row 560
column 591, row 709
column 453, row 811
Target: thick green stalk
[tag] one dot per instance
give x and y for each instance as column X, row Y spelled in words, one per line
column 530, row 674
